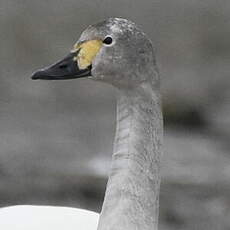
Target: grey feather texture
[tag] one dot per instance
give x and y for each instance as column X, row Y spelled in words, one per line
column 129, row 60
column 132, row 194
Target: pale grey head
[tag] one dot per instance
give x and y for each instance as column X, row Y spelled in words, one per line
column 115, row 51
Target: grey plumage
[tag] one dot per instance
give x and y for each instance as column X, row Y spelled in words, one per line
column 132, row 194
column 127, row 62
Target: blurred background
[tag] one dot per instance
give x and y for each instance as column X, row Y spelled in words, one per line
column 56, row 137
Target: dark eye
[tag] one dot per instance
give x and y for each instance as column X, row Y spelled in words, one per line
column 108, row 40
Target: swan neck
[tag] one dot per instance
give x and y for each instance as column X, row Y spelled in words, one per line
column 132, row 193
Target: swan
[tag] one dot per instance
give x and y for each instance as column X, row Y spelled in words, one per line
column 116, row 52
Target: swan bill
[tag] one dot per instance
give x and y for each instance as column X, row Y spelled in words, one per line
column 64, row 69
column 77, row 64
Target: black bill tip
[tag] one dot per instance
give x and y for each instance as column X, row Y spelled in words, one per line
column 37, row 75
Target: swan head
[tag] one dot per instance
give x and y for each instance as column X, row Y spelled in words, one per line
column 114, row 51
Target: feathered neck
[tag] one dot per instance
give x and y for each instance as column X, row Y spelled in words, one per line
column 132, row 193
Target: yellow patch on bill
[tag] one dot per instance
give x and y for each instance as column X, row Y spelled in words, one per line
column 88, row 51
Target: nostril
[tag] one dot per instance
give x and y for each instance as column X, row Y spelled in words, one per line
column 63, row 66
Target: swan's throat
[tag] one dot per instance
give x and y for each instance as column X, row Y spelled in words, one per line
column 132, row 194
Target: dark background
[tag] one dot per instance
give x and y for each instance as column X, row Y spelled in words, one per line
column 56, row 137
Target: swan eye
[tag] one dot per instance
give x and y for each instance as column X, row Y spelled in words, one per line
column 108, row 40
